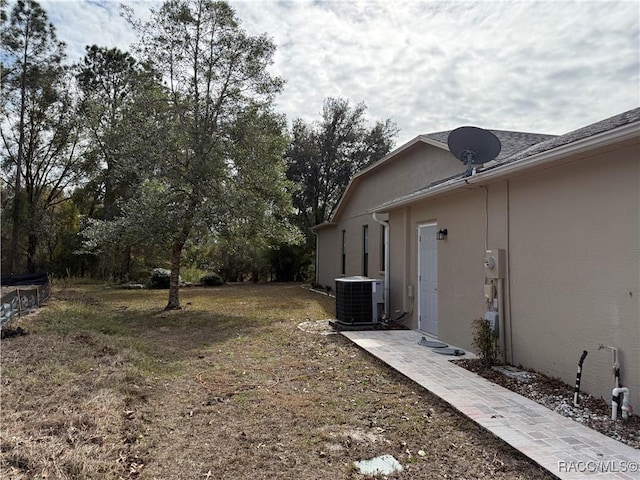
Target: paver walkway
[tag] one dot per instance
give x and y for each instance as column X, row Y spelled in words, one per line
column 564, row 447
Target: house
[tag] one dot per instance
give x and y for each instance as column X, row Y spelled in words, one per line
column 559, row 214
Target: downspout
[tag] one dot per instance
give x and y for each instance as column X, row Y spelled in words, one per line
column 385, row 225
column 317, row 279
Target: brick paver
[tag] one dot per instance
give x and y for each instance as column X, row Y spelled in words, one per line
column 564, row 447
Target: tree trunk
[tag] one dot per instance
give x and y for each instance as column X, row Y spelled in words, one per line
column 125, row 269
column 109, row 200
column 31, row 252
column 176, row 257
column 13, row 254
column 13, row 257
column 174, row 279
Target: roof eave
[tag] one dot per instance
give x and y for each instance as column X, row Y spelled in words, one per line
column 322, row 226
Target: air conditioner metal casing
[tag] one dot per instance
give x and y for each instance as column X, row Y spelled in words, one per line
column 359, row 301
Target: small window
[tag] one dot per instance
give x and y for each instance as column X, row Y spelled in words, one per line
column 343, row 269
column 365, row 250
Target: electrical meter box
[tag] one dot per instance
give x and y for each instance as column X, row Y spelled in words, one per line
column 494, row 321
column 494, row 263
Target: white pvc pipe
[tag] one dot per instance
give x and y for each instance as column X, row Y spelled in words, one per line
column 625, row 403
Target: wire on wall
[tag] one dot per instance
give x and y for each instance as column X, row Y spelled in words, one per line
column 486, row 218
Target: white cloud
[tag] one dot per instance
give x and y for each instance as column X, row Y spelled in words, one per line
column 82, row 23
column 533, row 66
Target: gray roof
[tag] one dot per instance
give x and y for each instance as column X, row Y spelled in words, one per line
column 602, row 126
column 512, row 142
column 519, row 145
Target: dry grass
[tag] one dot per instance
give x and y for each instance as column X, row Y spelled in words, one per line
column 107, row 385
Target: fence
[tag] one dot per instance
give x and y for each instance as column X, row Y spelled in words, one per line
column 22, row 300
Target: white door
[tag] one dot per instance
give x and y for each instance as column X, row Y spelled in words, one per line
column 428, row 278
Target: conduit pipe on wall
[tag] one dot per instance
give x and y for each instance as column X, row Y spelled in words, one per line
column 385, row 225
column 507, row 280
column 502, row 337
column 616, row 364
column 617, row 389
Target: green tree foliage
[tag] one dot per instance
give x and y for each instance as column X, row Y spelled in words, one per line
column 62, row 223
column 323, row 157
column 120, row 103
column 215, row 75
column 112, row 83
column 260, row 197
column 38, row 127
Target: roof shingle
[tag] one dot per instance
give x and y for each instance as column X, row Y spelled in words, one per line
column 512, row 142
column 605, row 125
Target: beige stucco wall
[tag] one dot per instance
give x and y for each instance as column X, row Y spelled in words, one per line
column 572, row 236
column 571, row 231
column 328, row 249
column 412, row 169
column 575, row 269
column 460, row 257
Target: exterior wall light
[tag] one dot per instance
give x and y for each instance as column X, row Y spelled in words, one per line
column 442, row 234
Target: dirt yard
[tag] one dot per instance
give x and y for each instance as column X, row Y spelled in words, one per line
column 105, row 384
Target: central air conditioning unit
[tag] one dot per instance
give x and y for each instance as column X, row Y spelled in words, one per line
column 359, row 302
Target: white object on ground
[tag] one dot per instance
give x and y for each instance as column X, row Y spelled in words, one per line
column 385, row 465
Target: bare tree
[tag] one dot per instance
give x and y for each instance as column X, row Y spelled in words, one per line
column 38, row 129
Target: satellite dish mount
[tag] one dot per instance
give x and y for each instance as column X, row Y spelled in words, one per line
column 473, row 146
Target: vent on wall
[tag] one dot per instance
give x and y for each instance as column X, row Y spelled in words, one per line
column 359, row 301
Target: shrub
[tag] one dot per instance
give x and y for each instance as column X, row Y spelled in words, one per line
column 191, row 273
column 211, row 280
column 160, row 278
column 485, row 339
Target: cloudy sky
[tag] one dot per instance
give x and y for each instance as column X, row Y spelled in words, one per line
column 547, row 67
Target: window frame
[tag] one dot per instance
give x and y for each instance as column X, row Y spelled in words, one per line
column 343, row 269
column 365, row 250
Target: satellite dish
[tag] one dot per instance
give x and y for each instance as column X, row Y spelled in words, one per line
column 473, row 146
